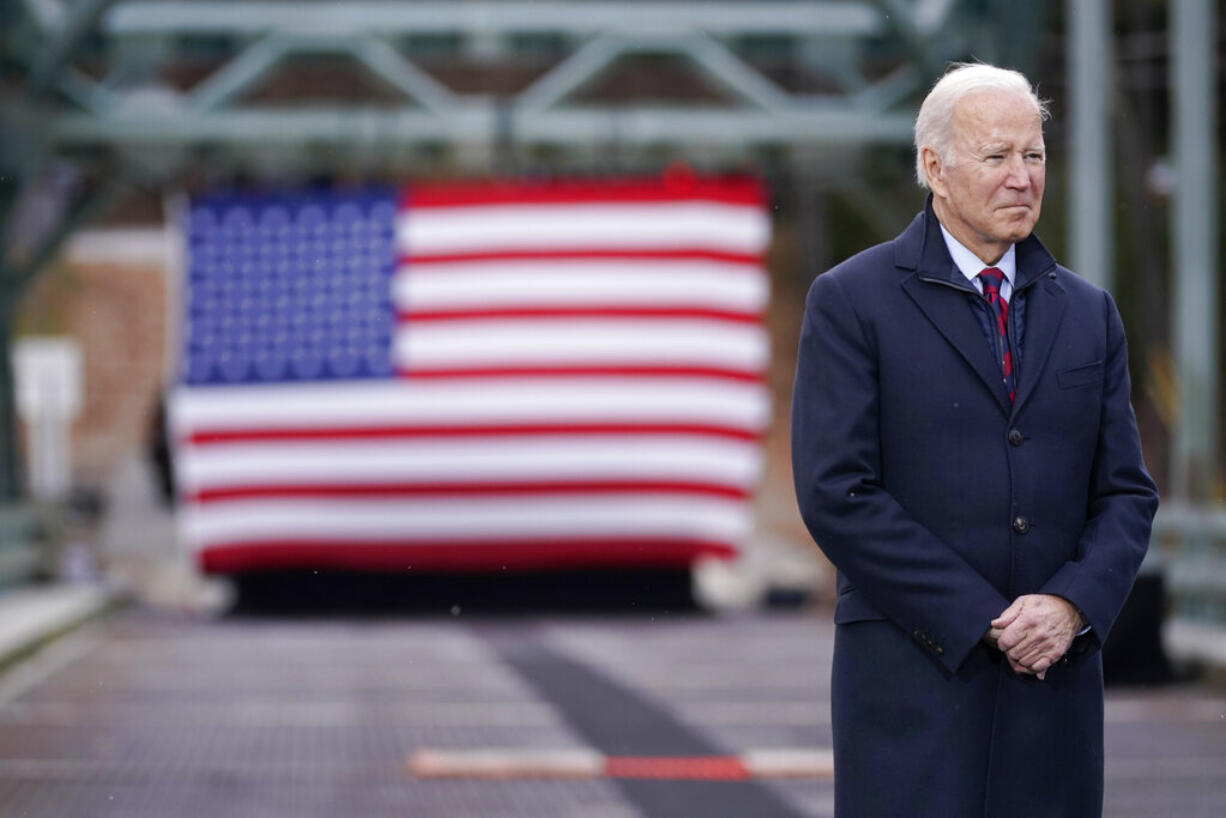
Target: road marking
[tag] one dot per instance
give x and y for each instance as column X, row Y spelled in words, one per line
column 519, row 763
column 505, row 764
column 790, row 762
column 675, row 768
column 45, row 662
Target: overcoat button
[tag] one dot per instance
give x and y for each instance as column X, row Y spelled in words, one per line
column 1021, row 525
column 1015, row 437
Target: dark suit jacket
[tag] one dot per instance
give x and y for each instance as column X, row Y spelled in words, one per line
column 940, row 503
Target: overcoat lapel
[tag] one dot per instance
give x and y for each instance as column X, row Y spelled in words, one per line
column 950, row 313
column 1045, row 306
column 941, row 293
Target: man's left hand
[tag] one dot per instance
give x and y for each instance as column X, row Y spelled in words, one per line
column 1036, row 630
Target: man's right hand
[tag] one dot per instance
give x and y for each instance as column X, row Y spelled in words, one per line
column 990, row 639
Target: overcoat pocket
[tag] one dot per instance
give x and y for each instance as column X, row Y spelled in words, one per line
column 1083, row 375
column 852, row 607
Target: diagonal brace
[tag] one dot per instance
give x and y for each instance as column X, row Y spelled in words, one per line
column 722, row 65
column 67, row 39
column 389, row 64
column 239, row 74
column 570, row 74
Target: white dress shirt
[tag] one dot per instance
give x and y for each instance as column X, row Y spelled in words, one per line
column 971, row 265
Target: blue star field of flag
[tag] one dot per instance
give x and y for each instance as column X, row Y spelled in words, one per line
column 283, row 289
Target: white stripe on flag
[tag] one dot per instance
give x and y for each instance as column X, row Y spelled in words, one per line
column 711, row 284
column 485, row 342
column 485, row 518
column 640, row 225
column 724, row 462
column 489, row 400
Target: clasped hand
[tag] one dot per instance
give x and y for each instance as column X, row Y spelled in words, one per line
column 1035, row 632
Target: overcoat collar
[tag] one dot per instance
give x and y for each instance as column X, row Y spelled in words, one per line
column 938, row 289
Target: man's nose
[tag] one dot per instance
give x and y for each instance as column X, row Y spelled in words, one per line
column 1017, row 175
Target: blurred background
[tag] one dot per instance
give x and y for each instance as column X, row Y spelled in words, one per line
column 115, row 112
column 116, row 115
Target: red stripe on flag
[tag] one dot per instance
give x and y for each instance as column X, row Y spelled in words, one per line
column 382, row 491
column 589, row 254
column 576, row 311
column 481, row 555
column 441, row 374
column 736, row 190
column 289, row 435
column 701, row 768
column 716, row 373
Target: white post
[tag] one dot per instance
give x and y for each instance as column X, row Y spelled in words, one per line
column 48, row 373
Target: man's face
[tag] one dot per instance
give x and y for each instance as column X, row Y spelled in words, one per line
column 990, row 192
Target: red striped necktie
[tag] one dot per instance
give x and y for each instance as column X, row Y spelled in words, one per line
column 992, row 278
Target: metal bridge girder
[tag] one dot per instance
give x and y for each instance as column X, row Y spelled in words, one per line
column 267, row 33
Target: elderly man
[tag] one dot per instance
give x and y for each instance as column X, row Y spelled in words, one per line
column 966, row 455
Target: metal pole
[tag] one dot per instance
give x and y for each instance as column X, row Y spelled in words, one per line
column 10, row 451
column 1193, row 33
column 1090, row 222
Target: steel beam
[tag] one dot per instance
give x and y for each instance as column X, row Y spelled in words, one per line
column 1090, row 223
column 393, row 130
column 647, row 126
column 1195, row 469
column 850, row 18
column 250, row 126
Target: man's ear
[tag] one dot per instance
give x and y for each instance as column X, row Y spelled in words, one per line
column 934, row 171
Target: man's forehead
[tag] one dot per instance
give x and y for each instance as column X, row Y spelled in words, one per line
column 987, row 114
column 997, row 97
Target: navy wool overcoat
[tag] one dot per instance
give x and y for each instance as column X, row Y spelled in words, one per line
column 940, row 502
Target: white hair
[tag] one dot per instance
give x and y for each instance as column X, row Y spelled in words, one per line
column 934, row 123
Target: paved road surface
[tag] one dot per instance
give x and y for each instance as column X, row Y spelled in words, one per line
column 152, row 714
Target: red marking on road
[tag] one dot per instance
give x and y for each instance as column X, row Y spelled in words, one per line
column 519, row 763
column 693, row 768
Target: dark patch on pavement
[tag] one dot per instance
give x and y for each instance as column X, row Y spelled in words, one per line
column 617, row 721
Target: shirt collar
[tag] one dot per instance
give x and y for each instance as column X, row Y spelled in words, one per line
column 971, row 265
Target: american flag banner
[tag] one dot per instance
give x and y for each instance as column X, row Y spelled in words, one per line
column 472, row 376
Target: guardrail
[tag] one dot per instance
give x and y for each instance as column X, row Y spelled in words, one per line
column 1191, row 543
column 21, row 556
column 1189, row 550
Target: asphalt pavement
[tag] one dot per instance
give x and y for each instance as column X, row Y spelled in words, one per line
column 147, row 694
column 145, row 712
